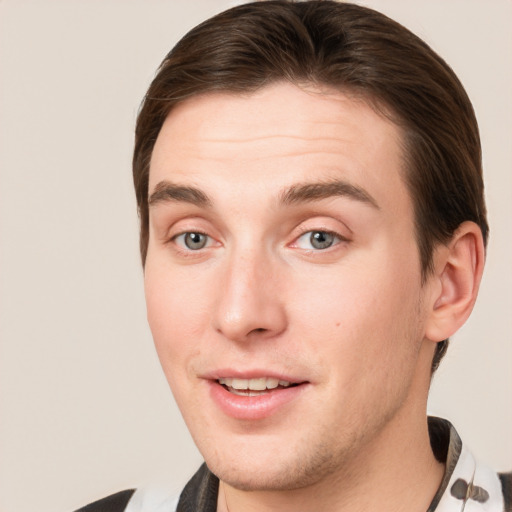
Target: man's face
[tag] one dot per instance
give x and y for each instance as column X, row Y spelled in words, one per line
column 282, row 259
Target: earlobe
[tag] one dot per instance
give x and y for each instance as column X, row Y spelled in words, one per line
column 458, row 272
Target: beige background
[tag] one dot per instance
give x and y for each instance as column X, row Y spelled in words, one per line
column 84, row 408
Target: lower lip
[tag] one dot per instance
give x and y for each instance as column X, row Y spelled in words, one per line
column 253, row 407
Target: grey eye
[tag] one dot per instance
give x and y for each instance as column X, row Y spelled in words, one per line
column 321, row 239
column 195, row 241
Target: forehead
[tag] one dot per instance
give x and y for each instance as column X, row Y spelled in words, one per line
column 275, row 137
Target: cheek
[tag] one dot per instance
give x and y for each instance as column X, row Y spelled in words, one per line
column 363, row 316
column 177, row 314
column 356, row 300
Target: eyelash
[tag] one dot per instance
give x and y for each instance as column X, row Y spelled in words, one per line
column 338, row 238
column 188, row 251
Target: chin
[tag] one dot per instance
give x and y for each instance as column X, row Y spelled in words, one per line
column 278, row 473
column 250, row 480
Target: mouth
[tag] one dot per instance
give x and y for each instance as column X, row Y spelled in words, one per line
column 254, row 387
column 255, row 396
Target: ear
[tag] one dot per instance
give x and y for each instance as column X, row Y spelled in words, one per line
column 458, row 269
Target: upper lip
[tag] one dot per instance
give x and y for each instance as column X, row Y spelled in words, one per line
column 251, row 374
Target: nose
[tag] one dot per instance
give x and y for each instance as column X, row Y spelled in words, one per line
column 250, row 302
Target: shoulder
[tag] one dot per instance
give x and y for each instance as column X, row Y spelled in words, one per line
column 468, row 483
column 135, row 500
column 506, row 485
column 114, row 503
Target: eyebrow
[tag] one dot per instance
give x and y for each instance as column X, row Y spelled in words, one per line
column 307, row 192
column 165, row 191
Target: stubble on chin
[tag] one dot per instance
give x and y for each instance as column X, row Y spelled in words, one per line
column 303, row 468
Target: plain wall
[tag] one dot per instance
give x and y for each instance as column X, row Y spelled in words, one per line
column 84, row 407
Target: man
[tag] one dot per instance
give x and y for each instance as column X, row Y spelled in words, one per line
column 309, row 184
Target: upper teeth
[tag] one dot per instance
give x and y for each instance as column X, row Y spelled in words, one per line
column 254, row 384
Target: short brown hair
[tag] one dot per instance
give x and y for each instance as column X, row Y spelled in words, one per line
column 351, row 48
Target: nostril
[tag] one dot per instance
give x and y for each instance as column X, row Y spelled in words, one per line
column 257, row 331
